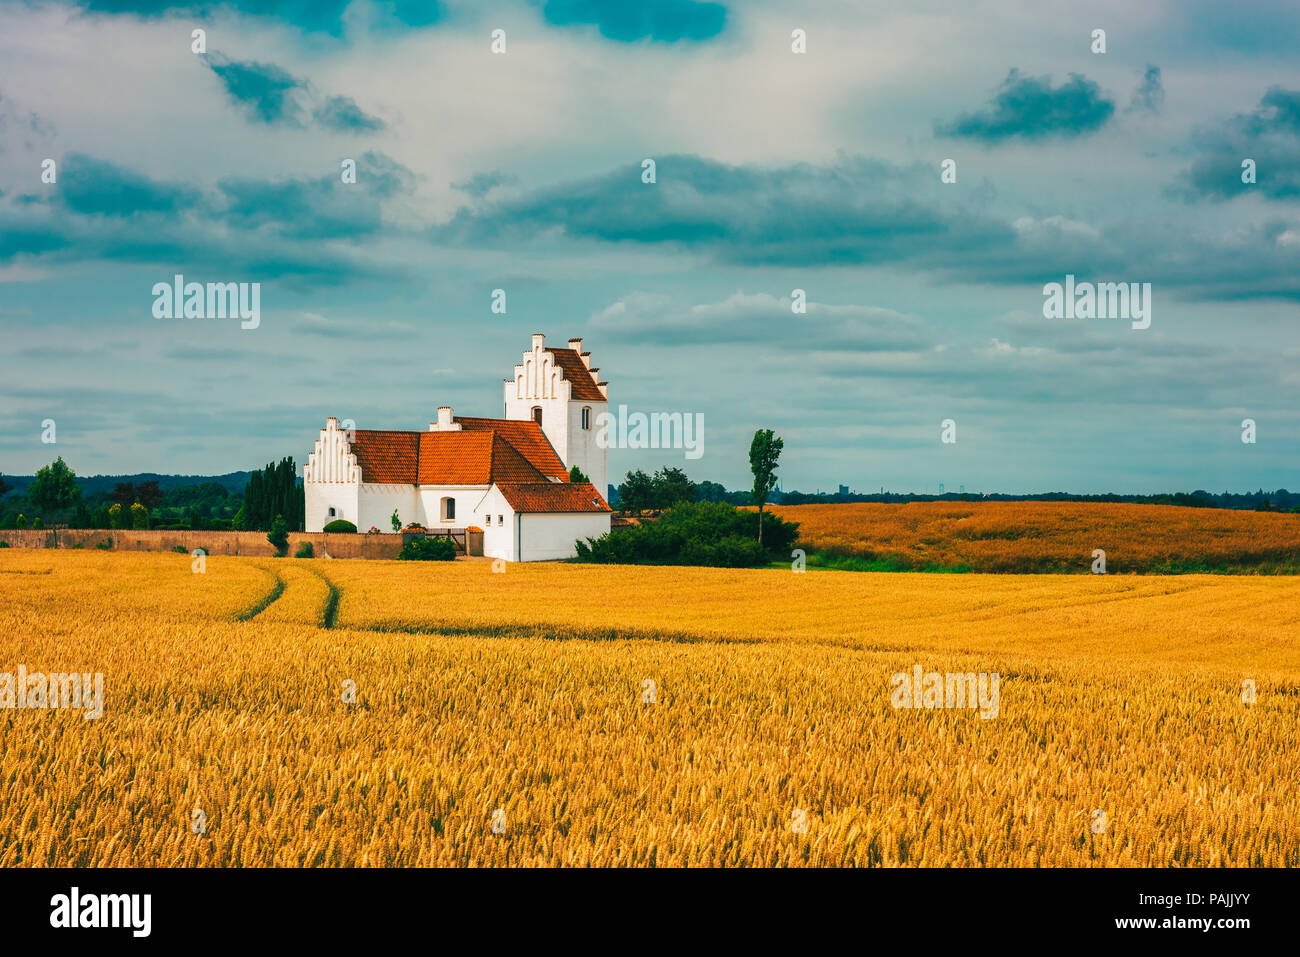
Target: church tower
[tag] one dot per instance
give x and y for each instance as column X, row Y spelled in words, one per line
column 559, row 389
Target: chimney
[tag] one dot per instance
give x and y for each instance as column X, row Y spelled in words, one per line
column 576, row 345
column 444, row 423
column 539, row 341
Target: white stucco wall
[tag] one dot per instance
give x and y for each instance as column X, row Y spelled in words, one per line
column 499, row 536
column 551, row 536
column 320, row 497
column 467, row 498
column 376, row 501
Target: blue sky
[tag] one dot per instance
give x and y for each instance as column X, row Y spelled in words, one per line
column 775, row 171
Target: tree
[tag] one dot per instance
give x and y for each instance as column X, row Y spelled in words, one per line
column 149, row 494
column 637, row 493
column 710, row 492
column 578, row 475
column 279, row 535
column 5, row 487
column 397, row 522
column 115, row 515
column 139, row 516
column 671, row 486
column 123, row 494
column 764, row 452
column 54, row 487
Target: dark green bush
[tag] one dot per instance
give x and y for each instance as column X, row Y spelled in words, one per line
column 695, row 533
column 278, row 536
column 428, row 550
column 340, row 525
column 180, row 549
column 4, row 544
column 304, row 551
column 105, row 545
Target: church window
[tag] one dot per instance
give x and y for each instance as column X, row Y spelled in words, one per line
column 586, row 417
column 487, row 520
column 500, row 520
column 448, row 509
column 331, row 513
column 537, row 414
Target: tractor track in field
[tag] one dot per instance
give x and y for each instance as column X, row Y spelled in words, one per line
column 329, row 610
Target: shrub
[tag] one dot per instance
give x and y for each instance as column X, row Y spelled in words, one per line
column 38, row 522
column 105, row 545
column 180, row 549
column 279, row 535
column 340, row 525
column 397, row 522
column 695, row 533
column 429, row 550
column 4, row 544
column 305, row 551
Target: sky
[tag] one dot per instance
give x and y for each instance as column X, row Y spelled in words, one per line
column 774, row 171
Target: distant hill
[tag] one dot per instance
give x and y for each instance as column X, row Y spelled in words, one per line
column 233, row 482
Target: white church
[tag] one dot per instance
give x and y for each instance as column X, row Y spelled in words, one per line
column 508, row 476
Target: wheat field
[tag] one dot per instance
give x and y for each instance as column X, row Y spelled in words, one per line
column 1051, row 537
column 602, row 715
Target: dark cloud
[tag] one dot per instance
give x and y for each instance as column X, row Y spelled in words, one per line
column 262, row 90
column 852, row 212
column 96, row 187
column 342, row 114
column 665, row 21
column 1269, row 134
column 311, row 16
column 1149, row 97
column 257, row 229
column 480, row 184
column 1030, row 108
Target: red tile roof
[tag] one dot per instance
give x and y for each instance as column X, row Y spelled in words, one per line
column 527, row 438
column 575, row 370
column 468, row 457
column 553, row 497
column 387, row 455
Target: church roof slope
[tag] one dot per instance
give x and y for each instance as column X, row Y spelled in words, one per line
column 553, row 497
column 575, row 371
column 479, row 457
column 527, row 438
column 387, row 455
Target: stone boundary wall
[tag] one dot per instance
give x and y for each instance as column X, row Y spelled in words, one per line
column 335, row 544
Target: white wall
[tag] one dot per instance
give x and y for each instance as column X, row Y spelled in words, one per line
column 552, row 535
column 498, row 537
column 321, row 496
column 582, row 449
column 375, row 504
column 467, row 498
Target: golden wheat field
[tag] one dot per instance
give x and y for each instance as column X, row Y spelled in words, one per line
column 1051, row 536
column 504, row 718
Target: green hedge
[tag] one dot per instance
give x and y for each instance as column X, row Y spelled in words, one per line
column 340, row 525
column 428, row 550
column 696, row 533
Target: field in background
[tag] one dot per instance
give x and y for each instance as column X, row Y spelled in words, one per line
column 524, row 692
column 1048, row 537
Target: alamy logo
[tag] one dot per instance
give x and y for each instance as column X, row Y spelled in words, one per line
column 658, row 430
column 1105, row 300
column 214, row 300
column 103, row 910
column 932, row 689
column 56, row 690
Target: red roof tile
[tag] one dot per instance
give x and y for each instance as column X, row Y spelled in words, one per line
column 553, row 497
column 387, row 455
column 527, row 438
column 472, row 456
column 575, row 371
